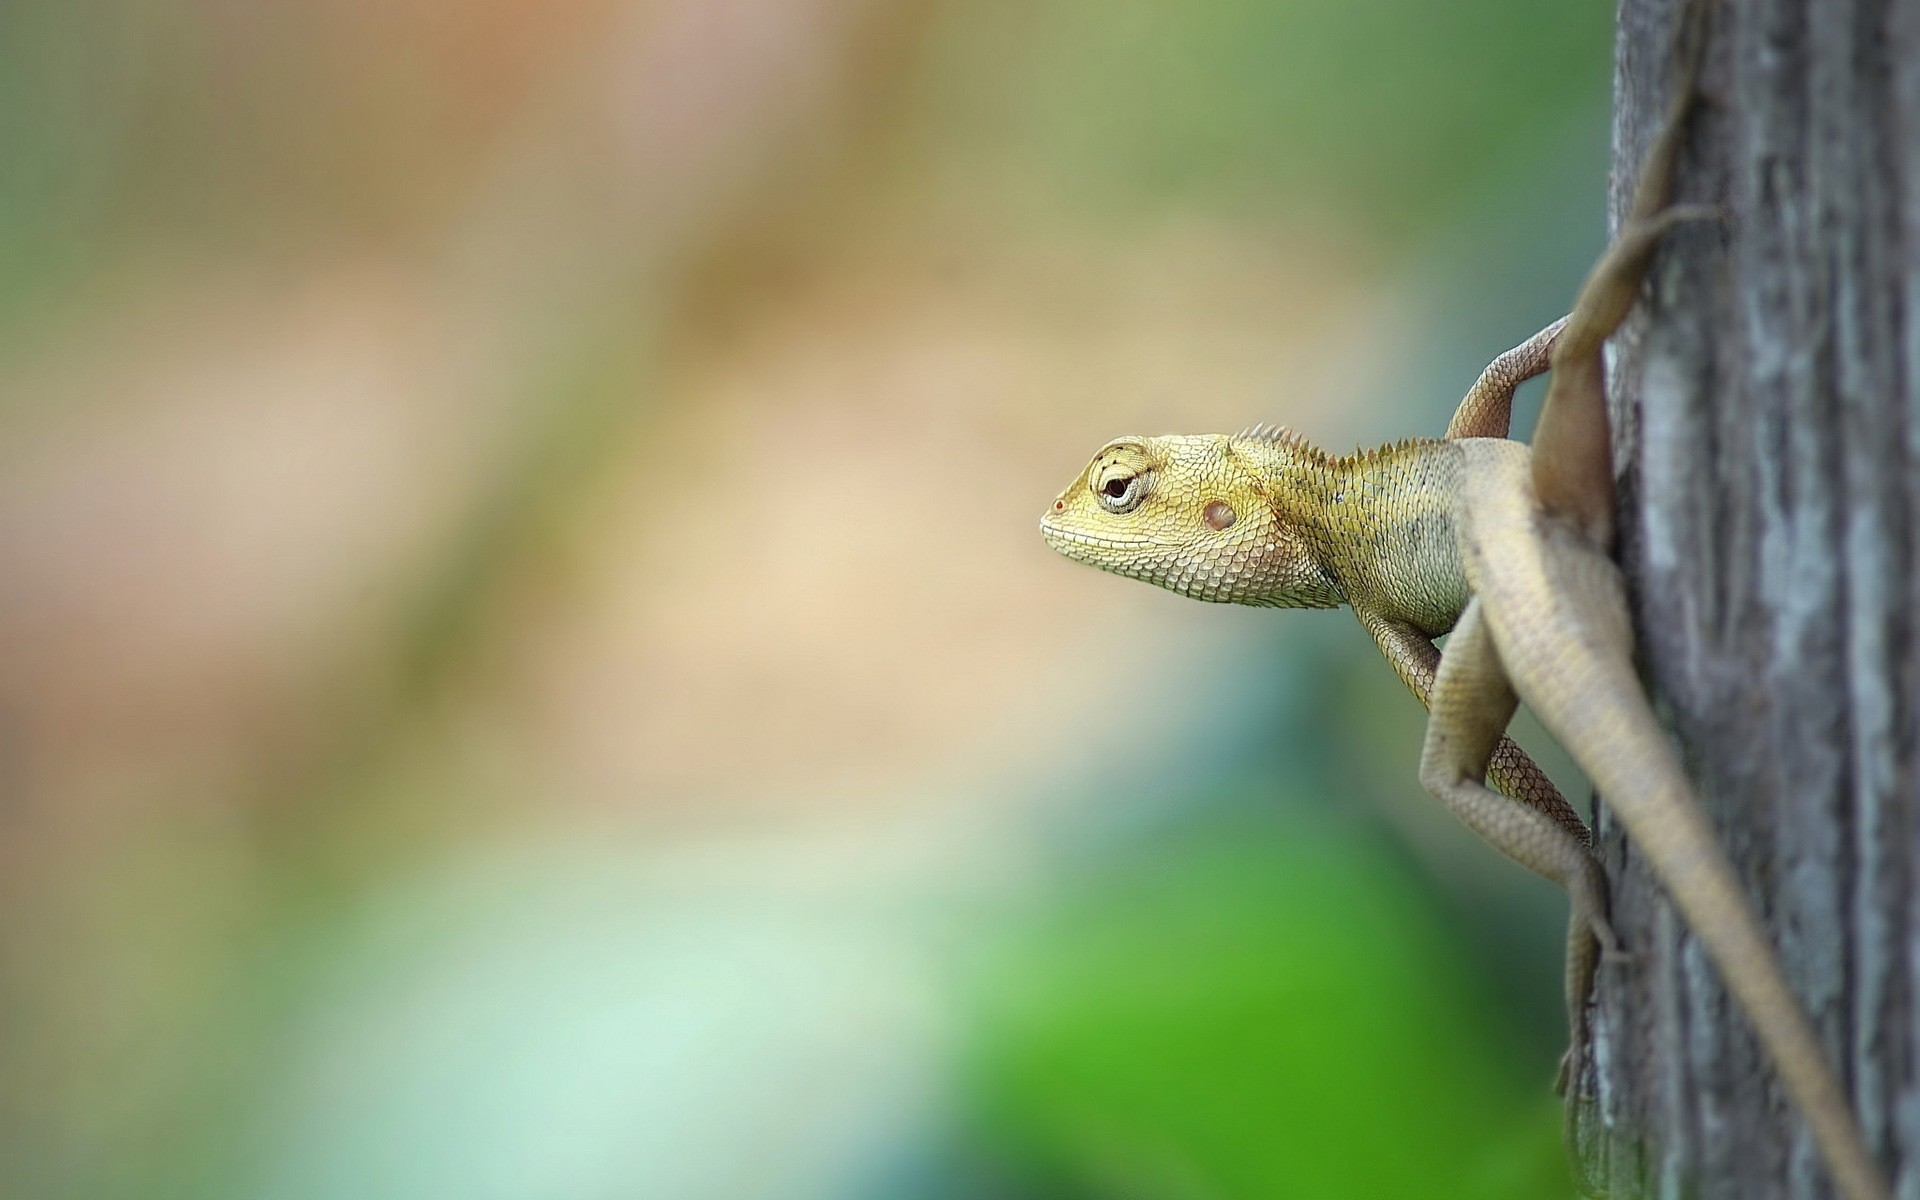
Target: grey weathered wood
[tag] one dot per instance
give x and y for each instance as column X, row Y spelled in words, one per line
column 1767, row 426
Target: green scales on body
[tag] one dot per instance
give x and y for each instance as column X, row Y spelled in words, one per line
column 1509, row 548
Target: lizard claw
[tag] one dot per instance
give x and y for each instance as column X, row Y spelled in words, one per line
column 1611, row 951
column 1676, row 214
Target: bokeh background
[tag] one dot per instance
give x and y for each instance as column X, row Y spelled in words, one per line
column 526, row 666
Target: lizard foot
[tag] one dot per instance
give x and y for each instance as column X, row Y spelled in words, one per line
column 1567, row 1075
column 1678, row 214
column 1612, row 952
column 1563, row 1075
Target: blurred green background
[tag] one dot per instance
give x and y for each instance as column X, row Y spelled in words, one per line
column 527, row 670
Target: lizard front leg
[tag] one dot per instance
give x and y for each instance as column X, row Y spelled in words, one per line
column 1414, row 659
column 1487, row 408
column 1471, row 704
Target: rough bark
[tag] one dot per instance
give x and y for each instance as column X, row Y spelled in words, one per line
column 1767, row 424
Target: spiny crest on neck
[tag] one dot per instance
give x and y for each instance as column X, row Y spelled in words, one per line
column 1285, row 438
column 1389, row 451
column 1280, row 435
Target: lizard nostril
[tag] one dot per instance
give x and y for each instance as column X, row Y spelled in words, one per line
column 1058, row 505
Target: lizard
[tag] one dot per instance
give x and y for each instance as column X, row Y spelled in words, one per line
column 1508, row 547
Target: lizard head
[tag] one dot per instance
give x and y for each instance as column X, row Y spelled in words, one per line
column 1196, row 515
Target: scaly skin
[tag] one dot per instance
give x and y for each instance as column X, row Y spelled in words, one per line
column 1300, row 528
column 1264, row 518
column 1509, row 548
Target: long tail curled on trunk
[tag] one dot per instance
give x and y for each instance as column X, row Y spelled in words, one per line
column 1584, row 691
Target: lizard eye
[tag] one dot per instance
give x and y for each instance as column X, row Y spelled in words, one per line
column 1120, row 493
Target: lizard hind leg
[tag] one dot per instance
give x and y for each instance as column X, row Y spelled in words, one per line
column 1416, row 660
column 1471, row 703
column 1572, row 451
column 1555, row 609
column 1572, row 448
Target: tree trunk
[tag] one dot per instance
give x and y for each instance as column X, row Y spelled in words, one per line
column 1767, row 431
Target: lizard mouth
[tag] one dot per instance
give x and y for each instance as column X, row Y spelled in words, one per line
column 1061, row 539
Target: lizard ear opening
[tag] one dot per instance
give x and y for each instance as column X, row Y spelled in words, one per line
column 1219, row 515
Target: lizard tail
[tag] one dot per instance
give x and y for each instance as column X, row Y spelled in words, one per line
column 1592, row 702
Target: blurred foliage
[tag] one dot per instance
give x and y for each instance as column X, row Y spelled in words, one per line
column 1253, row 1010
column 1390, row 113
column 1187, row 987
